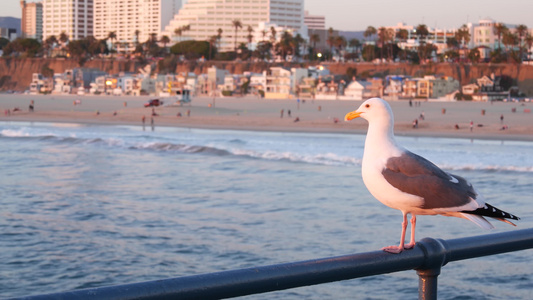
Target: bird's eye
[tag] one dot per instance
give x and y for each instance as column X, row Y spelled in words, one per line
column 367, row 106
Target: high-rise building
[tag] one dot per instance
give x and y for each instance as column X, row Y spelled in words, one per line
column 31, row 23
column 314, row 22
column 204, row 18
column 127, row 17
column 73, row 17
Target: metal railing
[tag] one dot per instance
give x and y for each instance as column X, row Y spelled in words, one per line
column 426, row 258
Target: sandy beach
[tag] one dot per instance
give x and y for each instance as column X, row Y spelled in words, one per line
column 251, row 113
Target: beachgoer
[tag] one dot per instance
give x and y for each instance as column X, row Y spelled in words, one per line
column 281, row 114
column 471, row 125
column 179, row 114
column 297, row 119
column 415, row 123
column 410, row 103
column 457, row 126
column 188, row 112
column 289, row 113
column 114, row 113
column 501, row 119
column 319, row 108
column 422, row 116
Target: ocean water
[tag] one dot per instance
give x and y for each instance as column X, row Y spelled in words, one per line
column 86, row 206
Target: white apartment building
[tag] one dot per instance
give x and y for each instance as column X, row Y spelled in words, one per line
column 125, row 17
column 314, row 22
column 74, row 17
column 32, row 20
column 205, row 17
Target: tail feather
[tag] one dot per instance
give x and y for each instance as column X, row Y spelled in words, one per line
column 490, row 211
column 478, row 220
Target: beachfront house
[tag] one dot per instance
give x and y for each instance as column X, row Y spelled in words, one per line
column 409, row 88
column 423, row 87
column 327, row 88
column 129, row 84
column 36, row 83
column 393, row 86
column 356, row 90
column 443, row 86
column 297, row 75
column 215, row 78
column 257, row 82
column 278, row 83
column 60, row 86
column 306, row 88
column 470, row 89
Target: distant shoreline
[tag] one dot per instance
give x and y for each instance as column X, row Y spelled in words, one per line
column 254, row 114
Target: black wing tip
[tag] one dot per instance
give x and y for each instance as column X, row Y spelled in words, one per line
column 493, row 212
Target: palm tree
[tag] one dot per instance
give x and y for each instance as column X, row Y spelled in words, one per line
column 250, row 36
column 212, row 40
column 340, row 43
column 499, row 30
column 185, row 28
column 219, row 35
column 63, row 38
column 112, row 35
column 137, row 33
column 463, row 35
column 165, row 40
column 521, row 30
column 382, row 38
column 284, row 45
column 354, row 44
column 369, row 32
column 422, row 32
column 509, row 39
column 178, row 32
column 314, row 38
column 272, row 34
column 529, row 41
column 298, row 40
column 237, row 24
column 49, row 43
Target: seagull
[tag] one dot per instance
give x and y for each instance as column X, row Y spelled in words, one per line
column 412, row 184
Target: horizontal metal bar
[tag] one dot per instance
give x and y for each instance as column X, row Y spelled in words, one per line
column 429, row 253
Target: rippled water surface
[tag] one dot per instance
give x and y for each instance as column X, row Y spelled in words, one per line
column 86, row 206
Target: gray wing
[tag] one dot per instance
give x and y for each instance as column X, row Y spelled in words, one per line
column 416, row 175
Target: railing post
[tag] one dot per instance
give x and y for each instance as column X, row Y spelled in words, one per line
column 436, row 256
column 427, row 283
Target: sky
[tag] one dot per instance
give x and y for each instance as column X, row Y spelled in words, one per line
column 355, row 15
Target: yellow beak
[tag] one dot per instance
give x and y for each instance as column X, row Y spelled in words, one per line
column 352, row 115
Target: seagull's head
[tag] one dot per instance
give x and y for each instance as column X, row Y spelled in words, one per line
column 372, row 109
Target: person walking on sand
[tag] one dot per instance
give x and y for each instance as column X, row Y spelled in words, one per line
column 289, row 113
column 143, row 120
column 471, row 126
column 501, row 119
column 281, row 114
